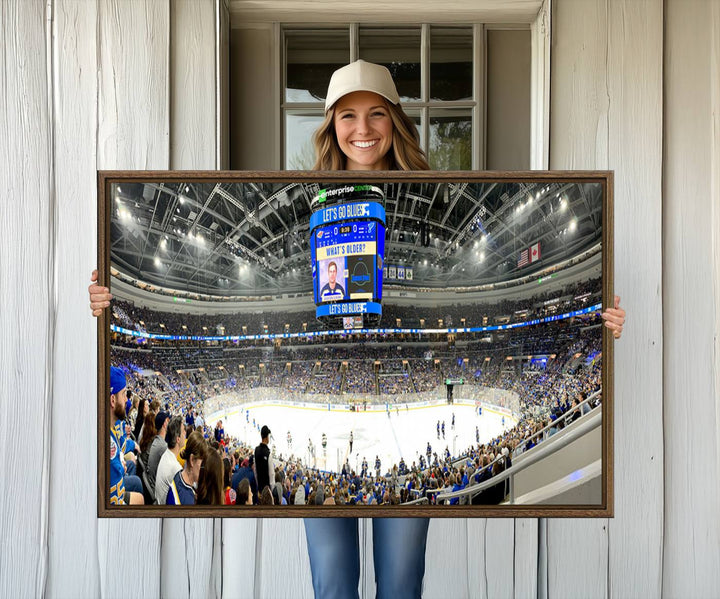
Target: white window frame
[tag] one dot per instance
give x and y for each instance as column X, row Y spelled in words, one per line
column 535, row 14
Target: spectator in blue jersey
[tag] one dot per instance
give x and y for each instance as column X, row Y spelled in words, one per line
column 128, row 447
column 124, row 489
column 456, row 486
column 219, row 432
column 128, row 402
column 245, row 472
column 332, row 290
column 183, row 486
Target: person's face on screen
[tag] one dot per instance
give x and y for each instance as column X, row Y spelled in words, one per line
column 332, row 274
column 364, row 130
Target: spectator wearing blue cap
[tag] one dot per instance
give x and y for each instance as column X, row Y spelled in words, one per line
column 124, row 488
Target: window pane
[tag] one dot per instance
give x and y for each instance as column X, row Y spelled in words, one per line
column 415, row 117
column 451, row 56
column 508, row 100
column 398, row 50
column 311, row 58
column 299, row 149
column 450, row 139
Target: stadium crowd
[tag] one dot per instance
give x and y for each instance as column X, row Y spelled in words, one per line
column 472, row 314
column 161, row 398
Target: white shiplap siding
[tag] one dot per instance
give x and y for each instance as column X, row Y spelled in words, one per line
column 107, row 84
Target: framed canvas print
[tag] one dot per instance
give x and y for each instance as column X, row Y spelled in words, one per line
column 392, row 344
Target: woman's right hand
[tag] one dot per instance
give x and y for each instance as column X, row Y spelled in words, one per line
column 99, row 296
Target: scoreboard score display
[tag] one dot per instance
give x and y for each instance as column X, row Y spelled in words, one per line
column 347, row 248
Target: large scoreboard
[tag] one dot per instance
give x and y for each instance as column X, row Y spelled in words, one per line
column 347, row 249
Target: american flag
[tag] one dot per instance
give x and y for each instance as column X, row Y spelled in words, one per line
column 523, row 259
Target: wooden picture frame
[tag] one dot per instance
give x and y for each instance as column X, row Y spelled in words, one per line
column 442, row 216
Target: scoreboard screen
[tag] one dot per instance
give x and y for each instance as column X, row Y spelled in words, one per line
column 346, row 261
column 347, row 247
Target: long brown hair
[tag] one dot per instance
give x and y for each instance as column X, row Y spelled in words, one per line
column 148, row 431
column 266, row 497
column 194, row 446
column 404, row 155
column 210, row 486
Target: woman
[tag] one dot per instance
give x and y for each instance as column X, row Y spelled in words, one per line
column 183, row 485
column 149, row 432
column 143, row 409
column 365, row 129
column 210, row 489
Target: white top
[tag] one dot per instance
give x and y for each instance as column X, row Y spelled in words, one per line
column 167, row 468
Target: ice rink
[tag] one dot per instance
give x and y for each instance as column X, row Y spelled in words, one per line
column 404, row 433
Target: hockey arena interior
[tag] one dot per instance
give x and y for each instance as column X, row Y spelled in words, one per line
column 476, row 378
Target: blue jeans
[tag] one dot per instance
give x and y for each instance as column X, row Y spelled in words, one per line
column 133, row 483
column 398, row 554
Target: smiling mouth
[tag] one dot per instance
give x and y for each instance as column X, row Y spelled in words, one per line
column 364, row 144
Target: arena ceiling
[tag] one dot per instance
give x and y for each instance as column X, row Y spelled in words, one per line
column 251, row 239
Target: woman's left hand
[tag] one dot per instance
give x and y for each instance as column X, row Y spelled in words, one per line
column 615, row 318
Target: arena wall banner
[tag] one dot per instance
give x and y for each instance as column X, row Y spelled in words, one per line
column 409, row 343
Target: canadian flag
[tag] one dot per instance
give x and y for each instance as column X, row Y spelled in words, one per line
column 535, row 252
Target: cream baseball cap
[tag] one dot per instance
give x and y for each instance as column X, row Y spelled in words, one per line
column 361, row 76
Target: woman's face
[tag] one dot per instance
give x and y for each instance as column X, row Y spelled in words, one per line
column 195, row 465
column 364, row 130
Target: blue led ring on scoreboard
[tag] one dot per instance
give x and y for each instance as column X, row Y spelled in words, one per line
column 348, row 308
column 343, row 212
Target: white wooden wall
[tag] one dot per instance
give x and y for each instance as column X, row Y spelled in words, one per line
column 131, row 84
